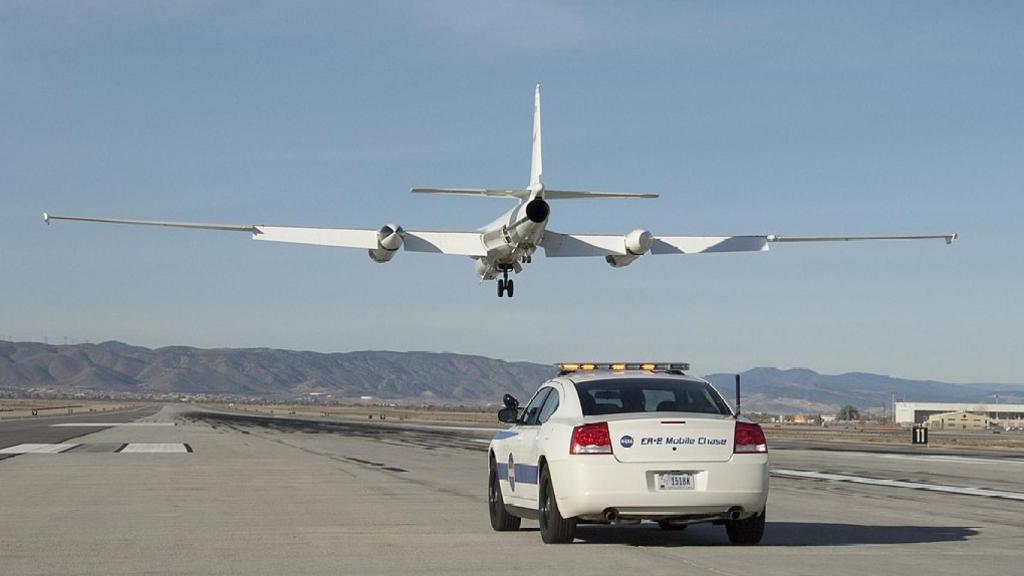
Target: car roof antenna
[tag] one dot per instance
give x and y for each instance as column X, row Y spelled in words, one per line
column 737, row 415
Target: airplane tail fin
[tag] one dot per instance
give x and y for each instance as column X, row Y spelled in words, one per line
column 536, row 162
column 536, row 187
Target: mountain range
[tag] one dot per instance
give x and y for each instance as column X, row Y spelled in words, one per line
column 115, row 368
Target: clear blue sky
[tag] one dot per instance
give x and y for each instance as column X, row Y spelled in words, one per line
column 748, row 118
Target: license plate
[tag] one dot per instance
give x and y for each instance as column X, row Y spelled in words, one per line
column 674, row 481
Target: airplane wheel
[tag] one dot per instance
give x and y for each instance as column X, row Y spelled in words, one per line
column 501, row 288
column 508, row 287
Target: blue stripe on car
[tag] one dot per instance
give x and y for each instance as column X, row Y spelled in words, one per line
column 524, row 473
column 505, row 434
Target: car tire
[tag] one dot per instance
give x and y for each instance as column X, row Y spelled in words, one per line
column 746, row 532
column 666, row 525
column 501, row 520
column 553, row 528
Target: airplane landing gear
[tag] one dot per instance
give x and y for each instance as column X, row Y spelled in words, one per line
column 505, row 285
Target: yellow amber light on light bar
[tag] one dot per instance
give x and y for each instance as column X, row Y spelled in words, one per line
column 567, row 367
column 587, row 366
column 618, row 366
column 647, row 366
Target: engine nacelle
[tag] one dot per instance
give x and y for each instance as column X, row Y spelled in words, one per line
column 484, row 269
column 389, row 240
column 636, row 244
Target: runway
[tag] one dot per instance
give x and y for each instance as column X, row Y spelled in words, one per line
column 265, row 495
column 60, row 429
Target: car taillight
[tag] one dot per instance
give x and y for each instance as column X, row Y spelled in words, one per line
column 749, row 438
column 591, row 439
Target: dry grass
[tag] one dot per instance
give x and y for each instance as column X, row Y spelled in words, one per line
column 798, row 433
column 465, row 417
column 894, row 436
column 16, row 408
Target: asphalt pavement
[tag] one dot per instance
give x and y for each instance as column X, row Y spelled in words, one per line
column 44, row 429
column 262, row 495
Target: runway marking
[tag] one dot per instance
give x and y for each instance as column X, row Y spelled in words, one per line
column 38, row 448
column 921, row 457
column 963, row 490
column 155, row 447
column 106, row 424
column 949, row 458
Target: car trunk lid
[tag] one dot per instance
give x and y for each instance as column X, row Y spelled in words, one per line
column 671, row 437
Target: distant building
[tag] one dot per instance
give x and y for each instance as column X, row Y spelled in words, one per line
column 958, row 421
column 1002, row 415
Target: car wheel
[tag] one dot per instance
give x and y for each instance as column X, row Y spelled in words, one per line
column 553, row 528
column 747, row 531
column 667, row 525
column 501, row 520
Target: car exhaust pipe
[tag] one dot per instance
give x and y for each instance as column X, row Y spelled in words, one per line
column 734, row 513
column 611, row 514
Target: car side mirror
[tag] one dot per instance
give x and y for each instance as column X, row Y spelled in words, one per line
column 510, row 401
column 508, row 415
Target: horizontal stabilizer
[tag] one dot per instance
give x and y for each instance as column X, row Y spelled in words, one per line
column 582, row 195
column 494, row 192
column 523, row 193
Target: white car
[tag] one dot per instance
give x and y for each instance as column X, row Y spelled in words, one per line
column 622, row 443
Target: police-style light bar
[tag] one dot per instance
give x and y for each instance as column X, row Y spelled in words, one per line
column 566, row 367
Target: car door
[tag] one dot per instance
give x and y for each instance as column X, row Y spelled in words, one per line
column 522, row 462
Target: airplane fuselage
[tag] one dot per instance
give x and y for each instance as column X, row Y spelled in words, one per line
column 513, row 237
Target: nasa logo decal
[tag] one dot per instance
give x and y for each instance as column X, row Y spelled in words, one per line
column 511, row 472
column 626, row 441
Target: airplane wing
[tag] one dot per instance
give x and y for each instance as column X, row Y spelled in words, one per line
column 584, row 245
column 458, row 243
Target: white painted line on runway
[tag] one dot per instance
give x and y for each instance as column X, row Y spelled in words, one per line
column 963, row 490
column 97, row 424
column 920, row 457
column 949, row 458
column 154, row 447
column 37, row 448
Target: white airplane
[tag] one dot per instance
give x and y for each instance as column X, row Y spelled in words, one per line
column 510, row 241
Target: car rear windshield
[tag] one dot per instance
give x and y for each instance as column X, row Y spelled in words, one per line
column 627, row 395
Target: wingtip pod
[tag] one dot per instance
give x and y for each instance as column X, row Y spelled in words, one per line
column 46, row 218
column 951, row 238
